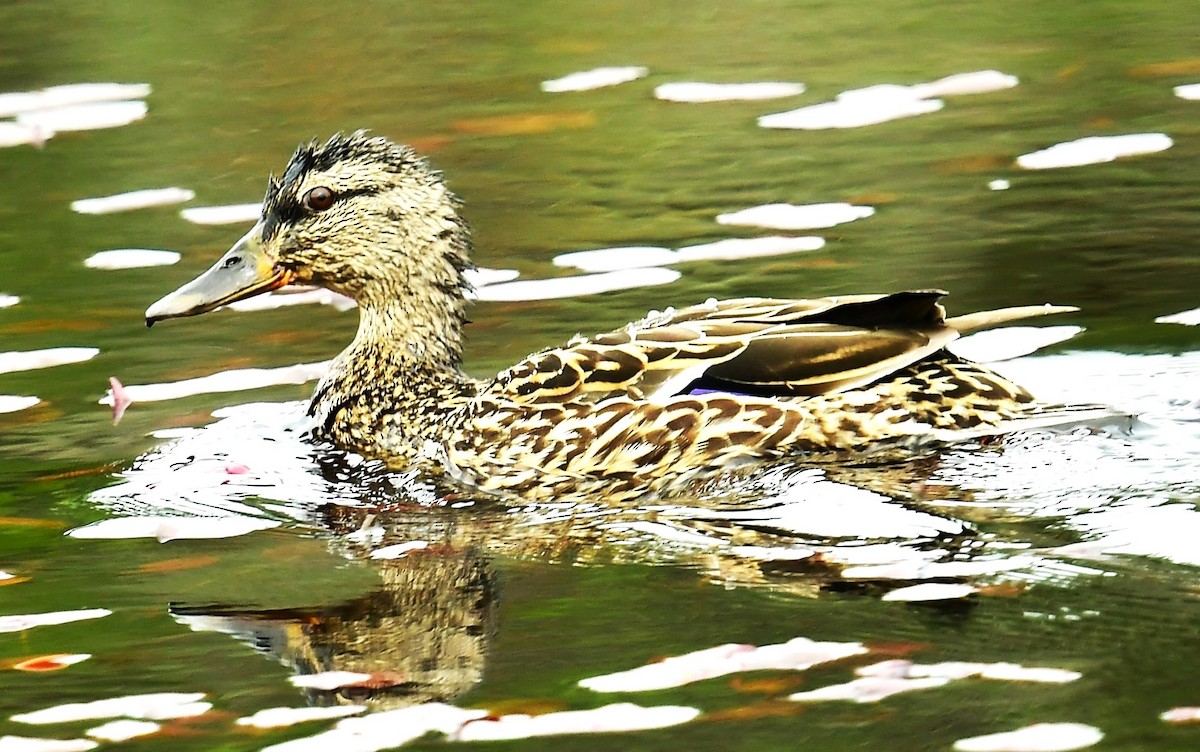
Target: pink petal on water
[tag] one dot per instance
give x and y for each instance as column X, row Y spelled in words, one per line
column 120, row 399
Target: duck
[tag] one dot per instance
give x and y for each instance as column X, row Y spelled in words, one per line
column 655, row 408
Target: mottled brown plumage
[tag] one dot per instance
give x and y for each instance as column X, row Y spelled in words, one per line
column 680, row 397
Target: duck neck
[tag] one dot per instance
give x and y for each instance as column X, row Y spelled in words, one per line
column 421, row 339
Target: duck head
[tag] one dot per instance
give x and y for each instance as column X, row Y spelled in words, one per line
column 358, row 215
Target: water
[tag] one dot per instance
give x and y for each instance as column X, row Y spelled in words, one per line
column 1080, row 546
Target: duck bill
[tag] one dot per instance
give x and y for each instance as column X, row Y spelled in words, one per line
column 244, row 271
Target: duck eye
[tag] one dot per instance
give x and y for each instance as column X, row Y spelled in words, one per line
column 318, row 199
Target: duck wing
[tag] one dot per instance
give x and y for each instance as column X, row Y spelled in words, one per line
column 760, row 346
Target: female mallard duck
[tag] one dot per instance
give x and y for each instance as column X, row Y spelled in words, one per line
column 678, row 397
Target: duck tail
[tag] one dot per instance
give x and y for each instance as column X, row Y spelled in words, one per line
column 973, row 322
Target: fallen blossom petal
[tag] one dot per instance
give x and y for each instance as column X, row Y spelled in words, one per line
column 867, row 689
column 594, row 79
column 610, row 718
column 1181, row 715
column 290, row 296
column 51, row 662
column 16, row 102
column 19, row 134
column 1017, row 672
column 976, row 82
column 616, row 259
column 739, row 248
column 279, row 717
column 26, row 744
column 29, row 360
column 1040, row 737
column 119, row 731
column 999, row 184
column 929, row 591
column 481, row 276
column 398, row 550
column 84, row 117
column 1188, row 91
column 133, row 200
column 329, row 680
column 796, row 217
column 8, row 301
column 697, row 91
column 1094, row 150
column 222, row 215
column 797, row 654
column 569, row 287
column 155, row 706
column 19, row 623
column 130, row 258
column 383, row 730
column 855, row 108
column 222, row 381
column 120, row 399
column 11, row 403
column 168, row 528
column 1187, row 318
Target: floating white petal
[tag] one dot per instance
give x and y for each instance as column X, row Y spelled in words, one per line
column 615, row 259
column 1040, row 737
column 1187, row 318
column 902, row 669
column 278, row 717
column 6, row 575
column 328, row 679
column 290, row 296
column 172, row 528
column 930, row 591
column 696, row 91
column 7, row 301
column 12, row 103
column 21, row 622
column 26, row 744
column 999, row 184
column 399, row 550
column 19, row 134
column 130, row 258
column 975, row 82
column 133, row 200
column 797, row 654
column 867, row 689
column 610, row 718
column 1094, row 150
column 484, row 276
column 570, row 287
column 28, row 360
column 383, row 730
column 222, row 381
column 1183, row 714
column 594, row 79
column 855, row 108
column 222, row 215
column 119, row 731
column 796, row 217
column 1010, row 342
column 11, row 403
column 84, row 117
column 1188, row 91
column 739, row 248
column 157, row 706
